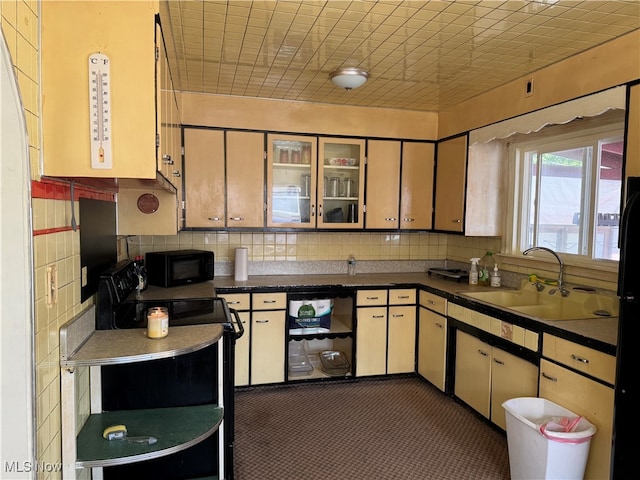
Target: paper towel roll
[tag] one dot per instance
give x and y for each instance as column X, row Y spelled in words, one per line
column 242, row 268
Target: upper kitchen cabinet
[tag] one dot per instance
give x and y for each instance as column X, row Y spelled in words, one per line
column 450, row 184
column 416, row 186
column 204, row 178
column 340, row 182
column 99, row 89
column 245, row 179
column 223, row 178
column 383, row 184
column 169, row 152
column 291, row 181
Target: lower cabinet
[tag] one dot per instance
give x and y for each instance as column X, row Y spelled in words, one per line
column 371, row 341
column 432, row 339
column 486, row 376
column 581, row 394
column 386, row 331
column 268, row 320
column 241, row 302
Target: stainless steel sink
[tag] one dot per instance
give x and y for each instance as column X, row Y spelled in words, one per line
column 528, row 301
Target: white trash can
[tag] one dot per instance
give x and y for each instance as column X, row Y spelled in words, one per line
column 554, row 454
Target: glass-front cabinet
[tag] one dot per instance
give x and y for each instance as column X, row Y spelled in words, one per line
column 340, row 183
column 291, row 181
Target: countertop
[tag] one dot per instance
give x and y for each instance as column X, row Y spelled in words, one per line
column 599, row 333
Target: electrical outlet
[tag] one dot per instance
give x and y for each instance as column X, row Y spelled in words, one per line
column 52, row 285
column 528, row 89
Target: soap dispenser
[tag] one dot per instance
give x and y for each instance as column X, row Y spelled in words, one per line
column 473, row 273
column 495, row 276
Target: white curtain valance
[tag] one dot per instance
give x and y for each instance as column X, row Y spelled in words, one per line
column 589, row 106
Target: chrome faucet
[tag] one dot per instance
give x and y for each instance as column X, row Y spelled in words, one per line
column 563, row 291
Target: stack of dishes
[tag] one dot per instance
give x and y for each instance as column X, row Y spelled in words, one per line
column 334, row 363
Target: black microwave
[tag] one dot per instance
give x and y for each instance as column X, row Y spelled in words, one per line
column 179, row 267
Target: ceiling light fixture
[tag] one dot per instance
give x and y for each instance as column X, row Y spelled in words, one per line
column 349, row 77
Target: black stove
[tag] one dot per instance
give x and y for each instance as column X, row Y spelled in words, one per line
column 188, row 379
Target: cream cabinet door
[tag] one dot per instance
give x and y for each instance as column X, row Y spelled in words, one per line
column 204, row 178
column 451, row 163
column 267, row 346
column 511, row 377
column 473, row 372
column 371, row 341
column 416, row 186
column 291, row 181
column 340, row 183
column 125, row 32
column 588, row 398
column 432, row 347
column 401, row 355
column 383, row 184
column 245, row 179
column 242, row 351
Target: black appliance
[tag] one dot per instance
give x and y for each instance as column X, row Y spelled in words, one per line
column 627, row 388
column 188, row 379
column 179, row 267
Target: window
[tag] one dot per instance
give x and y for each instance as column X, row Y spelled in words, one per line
column 570, row 187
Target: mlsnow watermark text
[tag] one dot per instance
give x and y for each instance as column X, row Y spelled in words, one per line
column 28, row 467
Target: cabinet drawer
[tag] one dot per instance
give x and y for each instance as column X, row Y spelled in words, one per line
column 403, row 296
column 433, row 302
column 371, row 297
column 579, row 357
column 237, row 301
column 270, row 301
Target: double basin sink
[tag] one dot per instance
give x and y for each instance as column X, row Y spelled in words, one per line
column 550, row 306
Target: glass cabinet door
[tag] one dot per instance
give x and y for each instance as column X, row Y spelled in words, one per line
column 291, row 181
column 340, row 183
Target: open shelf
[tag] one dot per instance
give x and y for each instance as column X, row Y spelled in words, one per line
column 175, row 429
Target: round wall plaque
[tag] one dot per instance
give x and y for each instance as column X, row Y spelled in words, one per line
column 148, row 203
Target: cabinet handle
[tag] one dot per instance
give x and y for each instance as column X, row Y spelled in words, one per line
column 431, row 302
column 439, row 325
column 262, row 321
column 549, row 377
column 499, row 362
column 237, row 219
column 233, row 303
column 215, row 219
column 313, row 210
column 390, row 219
column 579, row 359
column 166, row 158
column 398, row 315
column 269, row 301
column 407, row 219
column 319, row 210
column 402, row 297
column 372, row 298
column 378, row 316
column 483, row 353
column 176, row 173
column 456, row 220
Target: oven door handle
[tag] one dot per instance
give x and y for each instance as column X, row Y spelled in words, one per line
column 240, row 331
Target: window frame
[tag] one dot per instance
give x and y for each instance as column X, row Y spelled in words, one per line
column 576, row 134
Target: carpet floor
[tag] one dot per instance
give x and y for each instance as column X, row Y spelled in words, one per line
column 393, row 428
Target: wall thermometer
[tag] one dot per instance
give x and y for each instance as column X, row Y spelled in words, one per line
column 100, row 111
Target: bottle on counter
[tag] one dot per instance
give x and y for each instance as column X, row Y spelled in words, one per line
column 473, row 272
column 495, row 277
column 484, row 269
column 351, row 265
